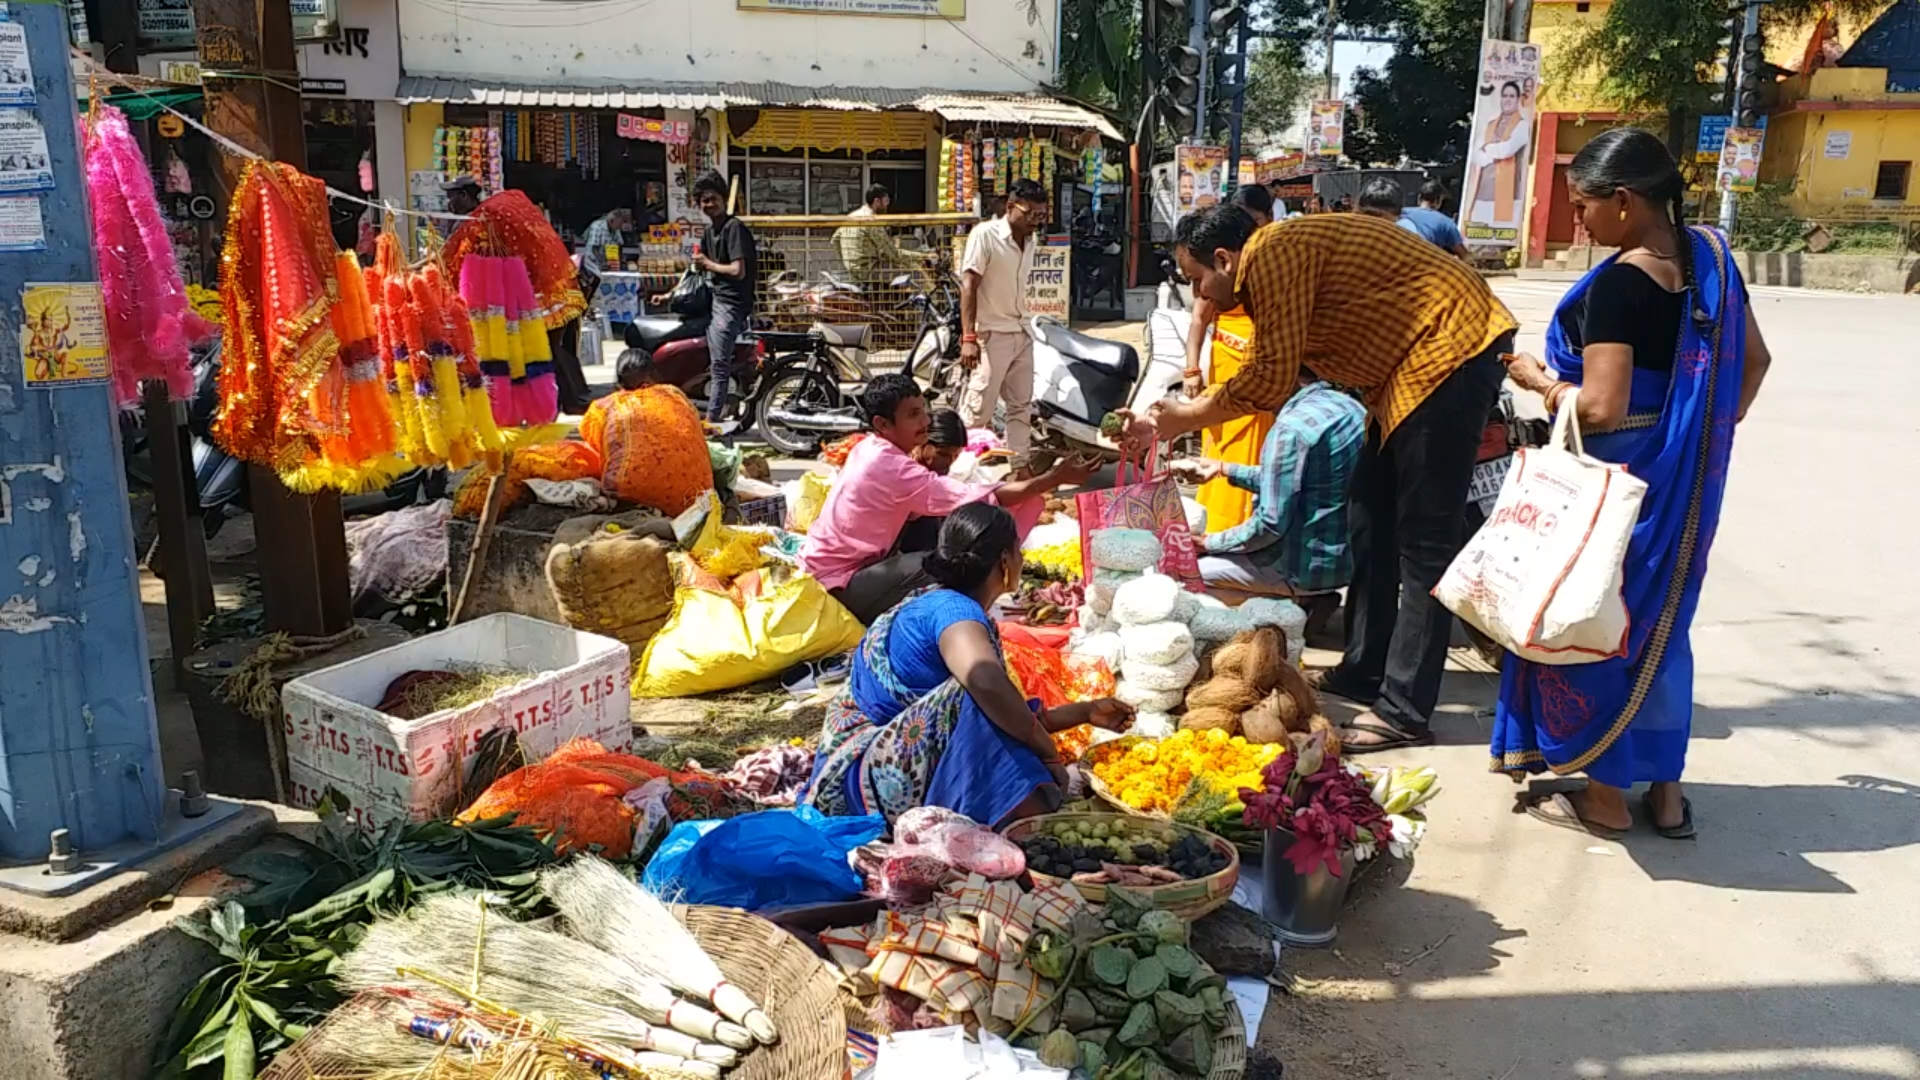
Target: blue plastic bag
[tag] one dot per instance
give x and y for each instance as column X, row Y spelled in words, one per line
column 772, row 858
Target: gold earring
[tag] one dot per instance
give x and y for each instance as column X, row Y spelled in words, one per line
column 1623, row 215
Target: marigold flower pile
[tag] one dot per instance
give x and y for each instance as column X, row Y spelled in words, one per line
column 1153, row 775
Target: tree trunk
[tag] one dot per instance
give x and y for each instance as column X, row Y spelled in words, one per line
column 1677, row 133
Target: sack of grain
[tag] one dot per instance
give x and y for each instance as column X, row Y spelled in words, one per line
column 1146, row 700
column 1157, row 643
column 1174, row 676
column 1149, row 598
column 617, row 584
column 1125, row 549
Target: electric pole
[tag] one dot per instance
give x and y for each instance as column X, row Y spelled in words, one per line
column 1197, row 41
column 1744, row 61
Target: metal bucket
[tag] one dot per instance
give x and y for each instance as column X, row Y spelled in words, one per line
column 1304, row 909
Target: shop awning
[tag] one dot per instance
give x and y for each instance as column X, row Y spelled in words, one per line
column 416, row 89
column 1016, row 109
column 1025, row 109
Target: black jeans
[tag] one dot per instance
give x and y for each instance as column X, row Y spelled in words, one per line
column 568, row 377
column 874, row 589
column 723, row 333
column 1408, row 509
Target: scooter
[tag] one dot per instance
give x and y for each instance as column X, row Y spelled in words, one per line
column 1079, row 379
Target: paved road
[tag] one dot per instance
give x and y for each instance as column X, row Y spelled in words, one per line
column 1785, row 942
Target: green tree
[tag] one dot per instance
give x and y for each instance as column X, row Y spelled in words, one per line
column 1419, row 102
column 1099, row 52
column 1278, row 81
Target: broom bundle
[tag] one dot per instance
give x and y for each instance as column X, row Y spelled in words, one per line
column 601, row 906
column 540, row 972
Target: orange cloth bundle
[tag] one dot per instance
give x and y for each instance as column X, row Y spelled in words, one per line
column 652, row 448
column 577, row 796
column 561, row 461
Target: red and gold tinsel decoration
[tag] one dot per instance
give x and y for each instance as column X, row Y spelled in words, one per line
column 509, row 224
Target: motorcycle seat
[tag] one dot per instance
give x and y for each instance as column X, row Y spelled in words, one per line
column 1117, row 358
column 844, row 335
column 782, row 341
column 649, row 332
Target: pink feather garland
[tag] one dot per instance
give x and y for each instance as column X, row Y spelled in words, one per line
column 150, row 324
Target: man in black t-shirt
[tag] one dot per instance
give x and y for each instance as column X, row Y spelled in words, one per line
column 730, row 259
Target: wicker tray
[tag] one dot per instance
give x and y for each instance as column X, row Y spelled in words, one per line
column 798, row 990
column 1188, row 899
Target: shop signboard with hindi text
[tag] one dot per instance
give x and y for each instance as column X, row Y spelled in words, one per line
column 1049, row 284
column 1493, row 199
column 917, row 9
column 1326, row 128
column 168, row 24
column 1200, row 176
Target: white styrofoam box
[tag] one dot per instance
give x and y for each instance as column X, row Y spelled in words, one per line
column 1138, row 303
column 390, row 768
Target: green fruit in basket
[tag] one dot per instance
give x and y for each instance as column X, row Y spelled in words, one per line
column 1168, row 928
column 1176, row 1011
column 1093, row 1057
column 1147, row 978
column 1111, row 1006
column 1112, row 424
column 1141, row 1029
column 1077, row 1012
column 1213, row 1007
column 1180, row 962
column 1110, row 965
column 1191, row 1051
column 1060, row 1050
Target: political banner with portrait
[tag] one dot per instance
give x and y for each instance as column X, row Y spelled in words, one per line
column 1740, row 160
column 1493, row 199
column 1326, row 128
column 1200, row 177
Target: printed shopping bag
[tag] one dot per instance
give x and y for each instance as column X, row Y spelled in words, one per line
column 1145, row 504
column 1543, row 576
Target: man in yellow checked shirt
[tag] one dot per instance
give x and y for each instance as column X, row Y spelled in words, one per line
column 1237, row 441
column 1371, row 306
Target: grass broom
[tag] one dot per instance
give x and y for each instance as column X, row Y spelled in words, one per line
column 601, row 906
column 538, row 972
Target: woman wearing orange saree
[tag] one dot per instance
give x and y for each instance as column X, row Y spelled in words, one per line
column 1238, row 441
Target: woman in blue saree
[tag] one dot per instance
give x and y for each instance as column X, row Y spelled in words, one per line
column 1662, row 346
column 930, row 716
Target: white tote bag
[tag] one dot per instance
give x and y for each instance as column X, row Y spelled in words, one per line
column 1543, row 576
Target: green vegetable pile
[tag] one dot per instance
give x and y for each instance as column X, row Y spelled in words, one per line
column 1135, row 1003
column 312, row 903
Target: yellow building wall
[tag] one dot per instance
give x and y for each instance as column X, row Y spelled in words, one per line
column 1825, row 184
column 422, row 119
column 1553, row 23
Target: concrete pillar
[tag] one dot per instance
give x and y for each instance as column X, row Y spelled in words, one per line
column 1546, row 139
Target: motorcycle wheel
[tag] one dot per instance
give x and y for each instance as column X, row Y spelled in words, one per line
column 796, row 390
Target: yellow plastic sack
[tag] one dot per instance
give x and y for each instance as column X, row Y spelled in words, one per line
column 727, row 551
column 709, row 644
column 813, row 499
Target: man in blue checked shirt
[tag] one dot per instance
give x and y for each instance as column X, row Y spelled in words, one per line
column 1296, row 543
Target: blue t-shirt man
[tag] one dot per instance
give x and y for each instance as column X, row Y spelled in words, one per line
column 1435, row 226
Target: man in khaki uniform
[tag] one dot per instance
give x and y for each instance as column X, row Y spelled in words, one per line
column 993, row 314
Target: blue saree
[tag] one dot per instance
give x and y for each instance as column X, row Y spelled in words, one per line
column 890, row 744
column 1626, row 720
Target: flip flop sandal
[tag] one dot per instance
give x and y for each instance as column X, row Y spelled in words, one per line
column 1555, row 785
column 1392, row 738
column 1682, row 831
column 1320, row 681
column 1557, row 810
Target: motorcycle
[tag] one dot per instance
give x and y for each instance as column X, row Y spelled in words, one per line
column 677, row 344
column 220, row 480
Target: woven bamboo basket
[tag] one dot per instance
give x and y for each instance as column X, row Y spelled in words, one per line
column 1187, row 899
column 798, row 990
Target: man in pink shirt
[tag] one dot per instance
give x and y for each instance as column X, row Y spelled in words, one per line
column 851, row 547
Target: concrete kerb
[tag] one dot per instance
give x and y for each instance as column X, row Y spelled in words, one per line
column 90, row 994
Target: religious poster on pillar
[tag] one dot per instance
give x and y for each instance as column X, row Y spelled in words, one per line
column 1494, row 195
